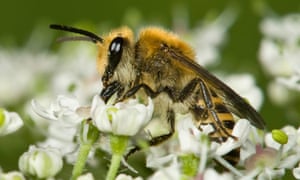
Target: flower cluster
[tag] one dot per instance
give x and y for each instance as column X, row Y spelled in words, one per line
column 279, row 55
column 79, row 123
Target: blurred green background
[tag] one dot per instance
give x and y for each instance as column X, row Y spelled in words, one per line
column 19, row 19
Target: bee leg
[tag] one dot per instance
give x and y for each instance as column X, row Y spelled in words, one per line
column 189, row 89
column 111, row 89
column 159, row 139
column 150, row 92
column 171, row 120
column 186, row 92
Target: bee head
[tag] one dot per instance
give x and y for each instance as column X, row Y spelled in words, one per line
column 115, row 55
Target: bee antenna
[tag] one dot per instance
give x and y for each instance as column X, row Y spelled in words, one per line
column 74, row 38
column 93, row 37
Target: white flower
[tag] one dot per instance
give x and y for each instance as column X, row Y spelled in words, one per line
column 9, row 122
column 272, row 161
column 244, row 85
column 171, row 171
column 188, row 136
column 124, row 118
column 289, row 152
column 31, row 67
column 210, row 36
column 64, row 110
column 296, row 172
column 61, row 138
column 292, row 82
column 127, row 177
column 213, row 174
column 12, row 175
column 41, row 162
column 87, row 176
column 278, row 93
column 65, row 117
column 280, row 50
column 240, row 131
column 263, row 164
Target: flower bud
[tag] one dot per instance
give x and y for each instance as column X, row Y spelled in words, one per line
column 88, row 132
column 9, row 122
column 41, row 162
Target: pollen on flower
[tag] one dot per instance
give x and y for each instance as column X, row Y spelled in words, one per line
column 279, row 136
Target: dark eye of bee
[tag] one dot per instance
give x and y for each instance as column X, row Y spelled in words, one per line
column 114, row 56
column 115, row 51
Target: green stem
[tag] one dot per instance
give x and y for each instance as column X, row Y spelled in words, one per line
column 81, row 159
column 118, row 146
column 88, row 135
column 114, row 166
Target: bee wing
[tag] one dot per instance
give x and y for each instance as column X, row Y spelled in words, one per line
column 234, row 102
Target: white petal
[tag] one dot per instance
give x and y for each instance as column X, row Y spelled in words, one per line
column 241, row 130
column 130, row 121
column 42, row 111
column 270, row 142
column 101, row 119
column 13, row 122
column 212, row 174
column 166, row 173
column 296, row 172
column 87, row 176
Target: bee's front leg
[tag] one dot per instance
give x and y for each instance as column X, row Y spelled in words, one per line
column 111, row 89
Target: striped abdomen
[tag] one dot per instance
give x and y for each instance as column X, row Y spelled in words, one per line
column 210, row 109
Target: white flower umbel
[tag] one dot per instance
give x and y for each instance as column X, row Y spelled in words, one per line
column 244, row 85
column 289, row 152
column 121, row 120
column 280, row 51
column 41, row 162
column 211, row 35
column 9, row 122
column 280, row 153
column 64, row 115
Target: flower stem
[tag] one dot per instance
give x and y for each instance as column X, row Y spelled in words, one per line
column 118, row 145
column 114, row 166
column 81, row 159
column 88, row 135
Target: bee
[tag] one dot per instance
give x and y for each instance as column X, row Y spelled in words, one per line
column 159, row 65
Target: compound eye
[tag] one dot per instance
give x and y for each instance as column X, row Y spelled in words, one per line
column 114, row 56
column 115, row 47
